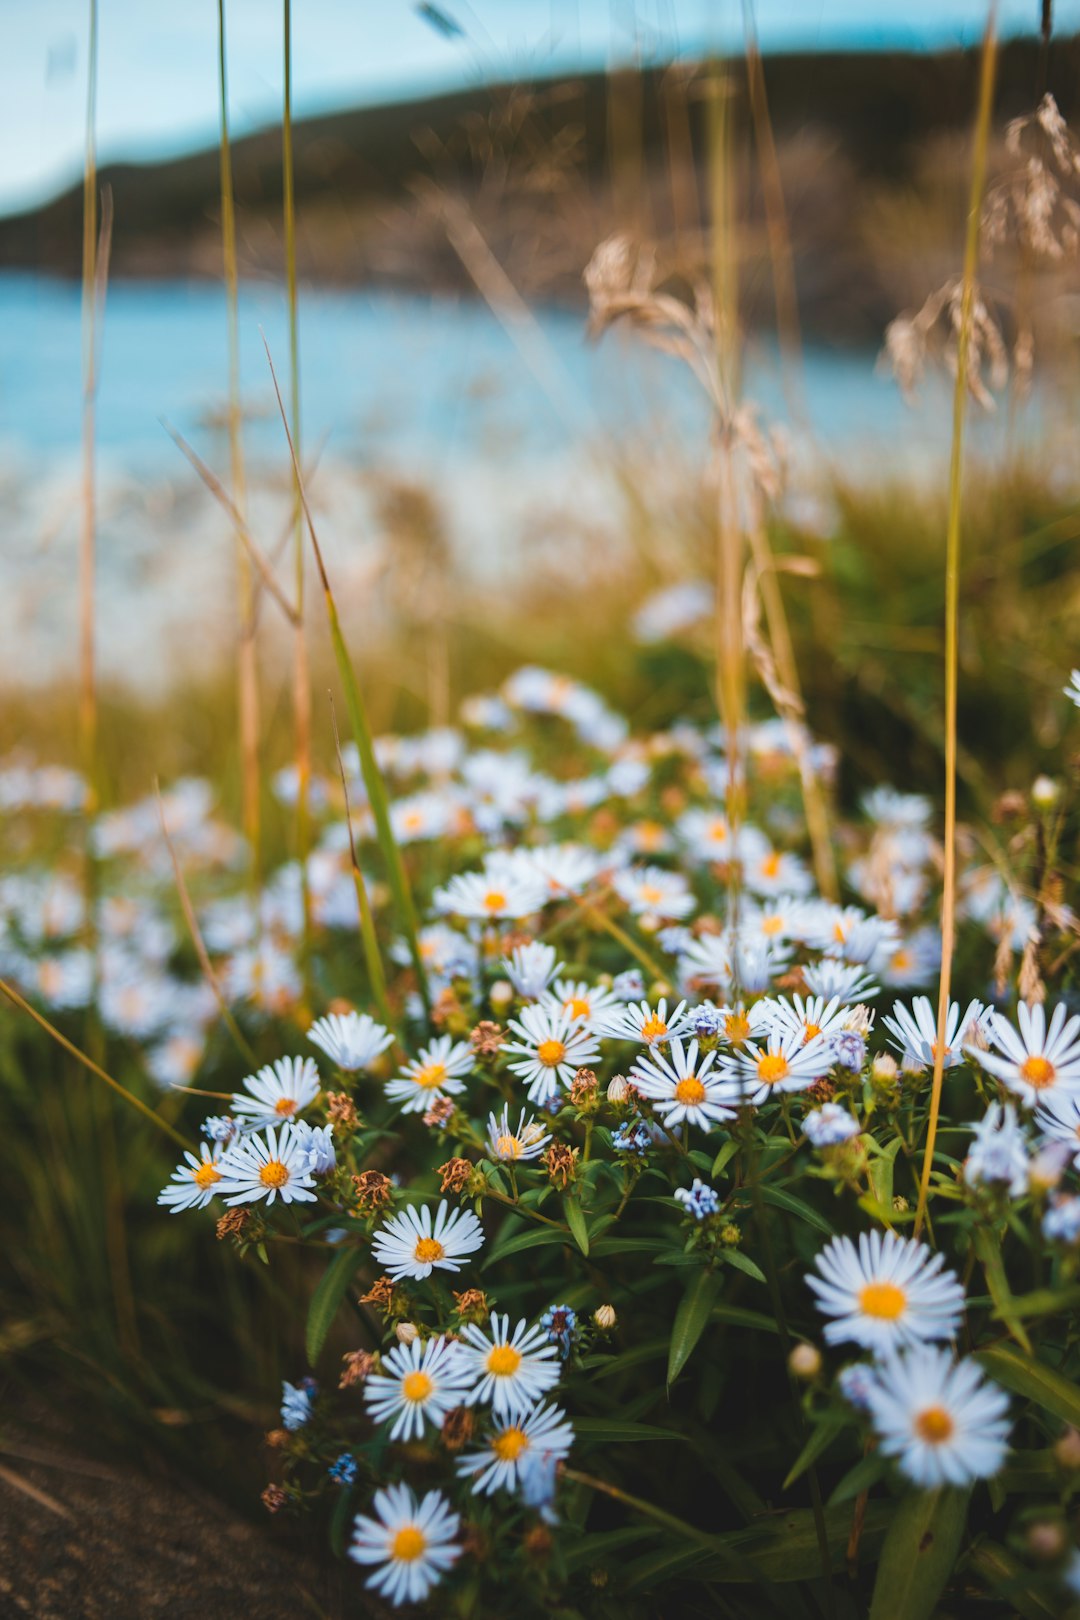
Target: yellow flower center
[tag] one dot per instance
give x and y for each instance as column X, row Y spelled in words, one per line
column 416, row 1386
column 408, row 1545
column 504, row 1361
column 839, row 933
column 772, row 925
column 1037, row 1071
column 494, row 900
column 654, row 1028
column 412, row 820
column 427, row 1250
column 509, row 1445
column 736, row 1027
column 508, row 1147
column 771, row 1067
column 551, row 1053
column 285, row 1106
column 577, row 1007
column 882, row 1300
column 770, row 865
column 690, row 1091
column 934, row 1425
column 206, row 1175
column 650, row 834
column 718, row 831
column 430, row 1076
column 901, row 961
column 810, row 1030
column 650, row 894
column 274, row 1174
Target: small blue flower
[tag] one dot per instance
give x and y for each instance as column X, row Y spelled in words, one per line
column 628, row 986
column 856, row 1384
column 296, row 1402
column 559, row 1323
column 219, row 1128
column 536, row 1482
column 700, row 1199
column 632, row 1139
column 706, row 1022
column 344, row 1470
column 830, row 1125
column 849, row 1050
column 1061, row 1223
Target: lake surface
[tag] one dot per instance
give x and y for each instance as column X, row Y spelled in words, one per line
column 433, row 390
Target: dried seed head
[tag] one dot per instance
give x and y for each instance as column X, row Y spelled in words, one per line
column 373, row 1190
column 357, row 1364
column 487, row 1038
column 455, row 1175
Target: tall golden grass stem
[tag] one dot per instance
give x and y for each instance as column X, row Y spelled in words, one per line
column 301, row 671
column 369, row 939
column 373, row 782
column 88, row 716
column 246, row 648
column 88, row 1063
column 952, row 594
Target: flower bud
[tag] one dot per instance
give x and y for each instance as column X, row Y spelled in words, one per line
column 1046, row 1540
column 1045, row 792
column 884, row 1070
column 406, row 1332
column 618, row 1088
column 604, row 1318
column 1067, row 1450
column 502, row 994
column 805, row 1361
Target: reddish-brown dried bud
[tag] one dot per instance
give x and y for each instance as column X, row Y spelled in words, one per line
column 455, row 1175
column 487, row 1038
column 356, row 1365
column 373, row 1190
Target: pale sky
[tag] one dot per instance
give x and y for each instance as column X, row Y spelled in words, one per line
column 157, row 88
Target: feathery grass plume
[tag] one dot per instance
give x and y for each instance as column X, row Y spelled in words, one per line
column 301, row 672
column 952, row 590
column 247, row 650
column 373, row 782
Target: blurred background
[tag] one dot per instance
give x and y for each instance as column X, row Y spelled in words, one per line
column 479, row 467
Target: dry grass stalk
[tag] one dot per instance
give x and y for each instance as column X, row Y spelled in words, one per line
column 247, row 650
column 952, row 597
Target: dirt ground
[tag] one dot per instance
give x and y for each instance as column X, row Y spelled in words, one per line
column 86, row 1540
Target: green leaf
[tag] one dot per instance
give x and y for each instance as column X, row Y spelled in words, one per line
column 725, row 1155
column 327, row 1298
column 919, row 1555
column 691, row 1319
column 616, row 1430
column 1007, row 1576
column 782, row 1199
column 575, row 1220
column 741, row 1262
column 820, row 1439
column 988, row 1249
column 737, row 1316
column 597, row 1547
column 531, row 1239
column 1026, row 1376
column 865, row 1473
column 880, row 1172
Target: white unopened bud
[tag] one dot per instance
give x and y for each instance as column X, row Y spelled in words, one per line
column 805, row 1361
column 502, row 994
column 406, row 1332
column 604, row 1318
column 618, row 1088
column 1045, row 792
column 884, row 1069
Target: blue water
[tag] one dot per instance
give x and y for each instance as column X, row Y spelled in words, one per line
column 395, row 378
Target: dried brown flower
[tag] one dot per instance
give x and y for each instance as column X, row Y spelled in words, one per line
column 373, row 1191
column 440, row 1113
column 487, row 1038
column 822, row 1091
column 472, row 1305
column 274, row 1499
column 233, row 1223
column 583, row 1087
column 459, row 1426
column 356, row 1365
column 380, row 1294
column 276, row 1438
column 341, row 1110
column 561, row 1162
column 455, row 1175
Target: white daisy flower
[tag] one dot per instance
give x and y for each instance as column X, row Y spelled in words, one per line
column 277, row 1093
column 738, row 1022
column 681, row 1089
column 545, row 1431
column 775, row 920
column 942, row 1420
column 493, row 895
column 419, row 1383
column 998, row 1156
column 565, row 868
column 1073, row 689
column 509, row 1146
column 777, row 872
column 809, row 1017
column 270, row 1166
column 193, row 1183
column 788, row 1061
column 848, row 983
column 890, row 1291
column 433, row 1075
column 531, row 968
column 641, row 1022
column 829, row 1125
column 413, row 1541
column 412, row 1245
column 1058, row 1117
column 914, row 1033
column 551, row 1048
column 649, row 891
column 849, row 933
column 586, row 1003
column 512, row 1371
column 914, row 960
column 350, row 1040
column 1038, row 1061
